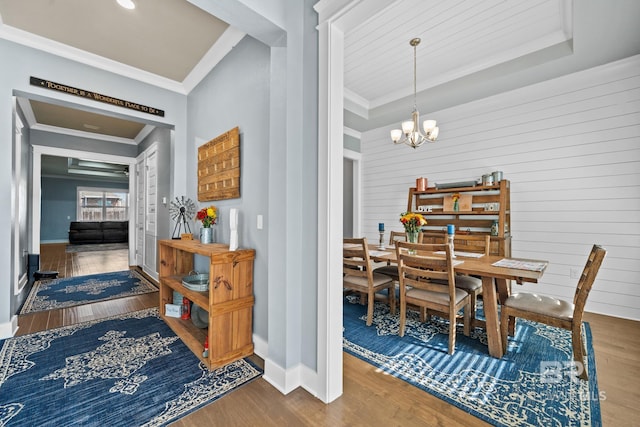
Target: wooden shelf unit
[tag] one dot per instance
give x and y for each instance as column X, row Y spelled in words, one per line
column 229, row 300
column 477, row 221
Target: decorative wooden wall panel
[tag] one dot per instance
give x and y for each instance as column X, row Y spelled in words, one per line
column 219, row 167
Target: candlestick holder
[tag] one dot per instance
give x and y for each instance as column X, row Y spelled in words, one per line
column 381, row 243
column 450, row 238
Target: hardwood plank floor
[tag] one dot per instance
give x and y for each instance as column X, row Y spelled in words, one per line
column 370, row 397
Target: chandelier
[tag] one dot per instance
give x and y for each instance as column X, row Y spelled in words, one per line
column 411, row 128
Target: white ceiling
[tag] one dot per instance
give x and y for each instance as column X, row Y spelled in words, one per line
column 174, row 44
column 458, row 38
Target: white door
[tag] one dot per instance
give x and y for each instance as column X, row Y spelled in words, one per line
column 140, row 209
column 151, row 212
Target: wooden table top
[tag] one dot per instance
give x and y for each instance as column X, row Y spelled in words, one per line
column 482, row 266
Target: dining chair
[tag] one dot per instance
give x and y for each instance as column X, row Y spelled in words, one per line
column 418, row 270
column 472, row 243
column 391, row 270
column 556, row 312
column 358, row 275
column 476, row 243
column 397, row 235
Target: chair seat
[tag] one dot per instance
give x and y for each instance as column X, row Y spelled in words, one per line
column 468, row 283
column 437, row 297
column 389, row 270
column 378, row 280
column 541, row 304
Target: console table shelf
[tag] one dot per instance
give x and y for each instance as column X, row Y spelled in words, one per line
column 228, row 302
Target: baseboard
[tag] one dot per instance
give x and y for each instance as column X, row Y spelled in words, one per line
column 260, row 347
column 9, row 329
column 285, row 380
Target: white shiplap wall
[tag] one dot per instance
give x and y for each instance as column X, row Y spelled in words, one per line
column 571, row 149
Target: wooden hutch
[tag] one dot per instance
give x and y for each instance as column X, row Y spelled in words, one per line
column 484, row 205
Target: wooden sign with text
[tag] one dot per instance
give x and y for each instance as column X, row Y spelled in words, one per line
column 83, row 93
column 219, row 167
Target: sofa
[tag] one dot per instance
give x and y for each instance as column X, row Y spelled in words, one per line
column 98, row 232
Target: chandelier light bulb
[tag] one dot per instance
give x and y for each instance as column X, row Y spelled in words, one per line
column 407, row 127
column 428, row 125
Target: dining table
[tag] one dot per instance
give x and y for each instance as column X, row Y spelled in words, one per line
column 496, row 273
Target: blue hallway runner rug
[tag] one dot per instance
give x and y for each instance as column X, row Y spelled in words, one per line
column 533, row 384
column 127, row 370
column 72, row 291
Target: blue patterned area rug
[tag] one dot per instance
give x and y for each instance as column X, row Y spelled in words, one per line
column 534, row 384
column 71, row 291
column 127, row 370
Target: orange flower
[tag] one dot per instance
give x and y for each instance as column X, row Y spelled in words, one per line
column 412, row 222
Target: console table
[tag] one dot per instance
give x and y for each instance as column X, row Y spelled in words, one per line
column 229, row 300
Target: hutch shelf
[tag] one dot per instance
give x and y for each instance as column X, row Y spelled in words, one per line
column 485, row 205
column 229, row 300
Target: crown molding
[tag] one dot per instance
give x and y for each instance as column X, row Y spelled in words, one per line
column 78, row 55
column 356, row 103
column 81, row 134
column 227, row 41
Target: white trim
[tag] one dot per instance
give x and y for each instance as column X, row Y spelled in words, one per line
column 36, row 202
column 18, row 277
column 352, row 132
column 260, row 347
column 356, row 158
column 330, row 206
column 334, row 18
column 9, row 329
column 216, row 53
column 21, row 283
column 284, row 380
column 356, row 104
column 83, row 134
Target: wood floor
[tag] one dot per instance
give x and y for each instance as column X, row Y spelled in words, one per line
column 370, row 397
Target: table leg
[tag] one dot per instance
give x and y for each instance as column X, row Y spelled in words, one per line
column 491, row 314
column 504, row 289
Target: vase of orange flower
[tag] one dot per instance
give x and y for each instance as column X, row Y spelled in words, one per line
column 412, row 223
column 208, row 217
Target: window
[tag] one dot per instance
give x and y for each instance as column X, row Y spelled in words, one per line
column 102, row 204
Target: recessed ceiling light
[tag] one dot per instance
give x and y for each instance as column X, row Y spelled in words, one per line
column 127, row 4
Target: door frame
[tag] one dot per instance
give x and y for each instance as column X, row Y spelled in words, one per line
column 36, row 187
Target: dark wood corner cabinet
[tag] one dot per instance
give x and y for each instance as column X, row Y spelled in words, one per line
column 487, row 204
column 229, row 300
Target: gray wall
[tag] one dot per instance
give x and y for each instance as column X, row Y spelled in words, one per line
column 351, row 143
column 236, row 93
column 14, row 80
column 59, row 205
column 278, row 124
